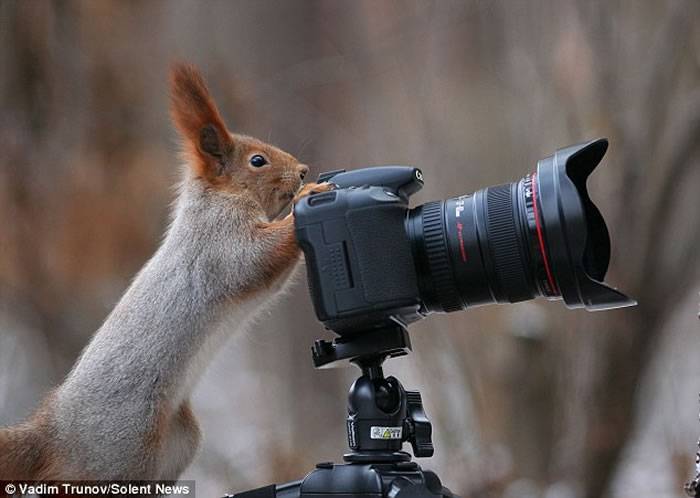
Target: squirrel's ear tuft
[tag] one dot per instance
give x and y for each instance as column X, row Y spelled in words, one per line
column 193, row 110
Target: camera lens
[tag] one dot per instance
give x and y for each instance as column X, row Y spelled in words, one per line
column 540, row 236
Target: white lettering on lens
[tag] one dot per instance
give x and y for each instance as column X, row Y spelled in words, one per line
column 459, row 207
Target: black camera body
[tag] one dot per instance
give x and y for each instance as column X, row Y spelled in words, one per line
column 360, row 265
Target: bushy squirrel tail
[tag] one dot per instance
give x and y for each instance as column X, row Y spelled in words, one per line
column 17, row 454
column 23, row 456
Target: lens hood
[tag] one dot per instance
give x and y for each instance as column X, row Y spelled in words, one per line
column 578, row 243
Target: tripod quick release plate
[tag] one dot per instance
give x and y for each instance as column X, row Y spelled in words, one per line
column 388, row 342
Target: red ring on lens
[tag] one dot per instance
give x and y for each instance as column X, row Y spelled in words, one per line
column 540, row 236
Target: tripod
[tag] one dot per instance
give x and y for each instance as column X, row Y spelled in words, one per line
column 382, row 415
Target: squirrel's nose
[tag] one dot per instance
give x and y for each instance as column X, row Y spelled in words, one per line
column 303, row 169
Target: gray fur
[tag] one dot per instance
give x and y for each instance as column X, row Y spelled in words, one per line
column 151, row 349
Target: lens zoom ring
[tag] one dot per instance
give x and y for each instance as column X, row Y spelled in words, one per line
column 511, row 271
column 435, row 241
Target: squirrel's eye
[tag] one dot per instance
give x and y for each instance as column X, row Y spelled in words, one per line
column 257, row 160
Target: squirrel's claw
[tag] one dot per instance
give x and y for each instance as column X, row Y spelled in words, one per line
column 313, row 188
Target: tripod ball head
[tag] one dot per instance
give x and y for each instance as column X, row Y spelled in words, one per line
column 382, row 415
column 376, row 411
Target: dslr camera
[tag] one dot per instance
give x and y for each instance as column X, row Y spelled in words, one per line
column 372, row 260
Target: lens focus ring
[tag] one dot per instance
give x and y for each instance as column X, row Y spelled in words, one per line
column 435, row 243
column 511, row 270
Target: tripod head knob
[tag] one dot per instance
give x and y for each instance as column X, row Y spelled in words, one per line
column 419, row 428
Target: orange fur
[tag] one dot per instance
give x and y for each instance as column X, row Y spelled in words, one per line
column 221, row 158
column 27, row 452
column 193, row 110
column 159, row 431
column 283, row 243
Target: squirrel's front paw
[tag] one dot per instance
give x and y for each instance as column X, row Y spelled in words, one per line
column 313, row 188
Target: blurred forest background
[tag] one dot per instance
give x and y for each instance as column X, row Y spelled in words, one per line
column 528, row 400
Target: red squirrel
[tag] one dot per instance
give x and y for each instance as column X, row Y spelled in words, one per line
column 123, row 411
